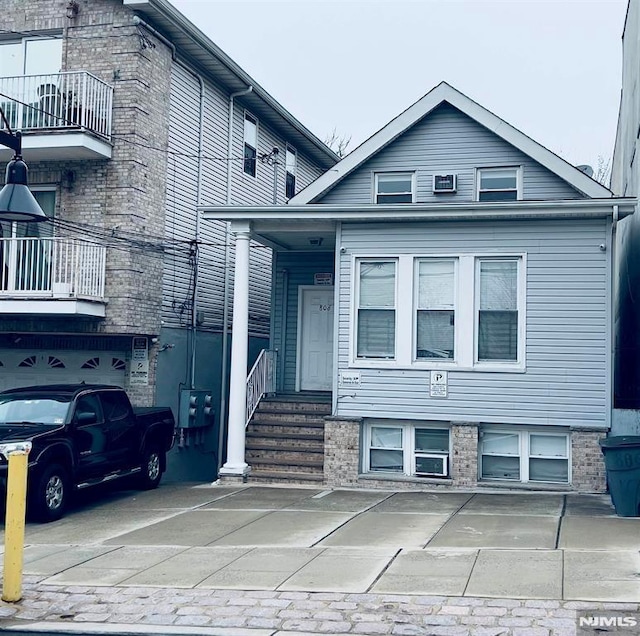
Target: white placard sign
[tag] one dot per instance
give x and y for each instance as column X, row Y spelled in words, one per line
column 139, row 371
column 439, row 384
column 349, row 378
column 323, row 278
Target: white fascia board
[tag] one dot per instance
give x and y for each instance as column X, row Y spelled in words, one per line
column 446, row 93
column 300, row 214
column 55, row 307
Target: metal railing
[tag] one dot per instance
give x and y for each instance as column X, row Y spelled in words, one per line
column 52, row 267
column 261, row 380
column 61, row 100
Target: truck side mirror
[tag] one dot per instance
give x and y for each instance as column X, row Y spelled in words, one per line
column 87, row 417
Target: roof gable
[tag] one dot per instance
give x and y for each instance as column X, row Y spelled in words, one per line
column 422, row 108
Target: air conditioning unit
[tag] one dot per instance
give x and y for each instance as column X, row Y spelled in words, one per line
column 444, row 183
column 431, row 465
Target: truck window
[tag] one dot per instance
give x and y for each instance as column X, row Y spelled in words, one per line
column 89, row 404
column 115, row 405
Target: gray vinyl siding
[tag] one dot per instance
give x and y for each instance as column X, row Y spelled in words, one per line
column 300, row 268
column 447, row 141
column 182, row 199
column 567, row 316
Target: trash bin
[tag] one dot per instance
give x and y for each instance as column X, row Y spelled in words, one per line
column 622, row 461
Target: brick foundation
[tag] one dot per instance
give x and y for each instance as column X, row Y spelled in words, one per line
column 588, row 472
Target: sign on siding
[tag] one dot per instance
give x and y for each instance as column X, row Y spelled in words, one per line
column 323, row 278
column 439, row 384
column 349, row 378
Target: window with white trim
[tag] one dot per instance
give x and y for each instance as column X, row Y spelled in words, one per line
column 250, row 144
column 376, row 309
column 497, row 309
column 524, row 456
column 499, row 184
column 394, row 187
column 407, row 449
column 291, row 168
column 435, row 308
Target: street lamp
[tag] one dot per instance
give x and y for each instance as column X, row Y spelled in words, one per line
column 16, row 201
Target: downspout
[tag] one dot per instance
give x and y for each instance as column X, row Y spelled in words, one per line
column 194, row 304
column 225, row 304
column 612, row 323
column 140, row 22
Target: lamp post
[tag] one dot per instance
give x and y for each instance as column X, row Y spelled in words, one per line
column 16, row 201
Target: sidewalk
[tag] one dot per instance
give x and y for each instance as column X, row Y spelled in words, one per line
column 344, row 561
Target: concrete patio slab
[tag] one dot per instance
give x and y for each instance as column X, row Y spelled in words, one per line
column 187, row 569
column 588, row 506
column 608, row 533
column 143, row 556
column 340, row 570
column 340, row 501
column 530, row 574
column 286, row 528
column 261, row 569
column 98, row 577
column 35, row 552
column 192, row 528
column 65, row 559
column 262, row 498
column 602, row 576
column 497, row 531
column 424, row 502
column 434, row 572
column 514, row 504
column 398, row 530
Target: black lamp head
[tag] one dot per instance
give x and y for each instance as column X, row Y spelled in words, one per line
column 16, row 201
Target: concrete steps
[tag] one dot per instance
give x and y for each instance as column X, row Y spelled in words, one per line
column 285, row 440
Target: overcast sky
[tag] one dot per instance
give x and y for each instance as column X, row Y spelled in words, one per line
column 551, row 68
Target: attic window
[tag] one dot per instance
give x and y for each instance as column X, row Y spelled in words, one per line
column 499, row 184
column 394, row 187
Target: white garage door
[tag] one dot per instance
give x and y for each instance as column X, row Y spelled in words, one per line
column 23, row 367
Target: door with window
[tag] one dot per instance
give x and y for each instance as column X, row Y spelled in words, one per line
column 315, row 339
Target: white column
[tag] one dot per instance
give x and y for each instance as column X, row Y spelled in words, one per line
column 235, row 464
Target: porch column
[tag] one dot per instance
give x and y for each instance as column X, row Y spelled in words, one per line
column 235, row 464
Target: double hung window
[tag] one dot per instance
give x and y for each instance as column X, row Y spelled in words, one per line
column 498, row 184
column 524, row 456
column 376, row 313
column 435, row 309
column 291, row 168
column 394, row 187
column 497, row 324
column 409, row 449
column 250, row 144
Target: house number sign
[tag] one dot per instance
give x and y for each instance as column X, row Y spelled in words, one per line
column 439, row 384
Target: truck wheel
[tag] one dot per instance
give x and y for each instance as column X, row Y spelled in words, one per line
column 151, row 469
column 51, row 493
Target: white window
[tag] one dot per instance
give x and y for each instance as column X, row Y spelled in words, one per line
column 435, row 309
column 498, row 323
column 524, row 456
column 394, row 187
column 376, row 313
column 499, row 184
column 250, row 144
column 291, row 168
column 408, row 449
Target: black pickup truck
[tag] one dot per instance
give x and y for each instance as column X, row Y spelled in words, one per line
column 82, row 435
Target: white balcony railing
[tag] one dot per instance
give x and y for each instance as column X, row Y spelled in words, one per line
column 52, row 267
column 261, row 380
column 62, row 100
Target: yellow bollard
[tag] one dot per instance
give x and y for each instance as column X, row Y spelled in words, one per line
column 16, row 455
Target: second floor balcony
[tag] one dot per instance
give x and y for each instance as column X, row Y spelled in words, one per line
column 52, row 276
column 63, row 116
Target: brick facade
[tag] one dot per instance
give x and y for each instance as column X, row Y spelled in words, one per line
column 588, row 471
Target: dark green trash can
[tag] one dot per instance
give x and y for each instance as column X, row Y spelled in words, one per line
column 622, row 461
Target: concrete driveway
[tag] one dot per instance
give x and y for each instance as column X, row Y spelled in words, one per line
column 501, row 545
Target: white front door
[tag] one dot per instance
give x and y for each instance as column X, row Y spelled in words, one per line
column 315, row 338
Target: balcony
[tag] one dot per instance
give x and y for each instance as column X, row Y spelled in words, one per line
column 64, row 116
column 52, row 276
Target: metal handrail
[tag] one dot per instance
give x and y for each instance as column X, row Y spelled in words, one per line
column 260, row 381
column 74, row 99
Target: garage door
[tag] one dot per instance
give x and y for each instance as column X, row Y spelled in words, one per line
column 23, row 367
